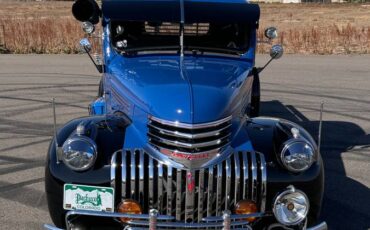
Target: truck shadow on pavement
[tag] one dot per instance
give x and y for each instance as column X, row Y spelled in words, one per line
column 346, row 202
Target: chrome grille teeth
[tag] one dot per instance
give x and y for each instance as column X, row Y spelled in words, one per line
column 189, row 138
column 217, row 188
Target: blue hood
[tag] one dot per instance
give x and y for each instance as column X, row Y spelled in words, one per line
column 188, row 90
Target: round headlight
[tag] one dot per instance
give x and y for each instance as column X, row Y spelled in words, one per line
column 79, row 153
column 297, row 155
column 291, row 207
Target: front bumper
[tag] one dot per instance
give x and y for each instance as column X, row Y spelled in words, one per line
column 154, row 221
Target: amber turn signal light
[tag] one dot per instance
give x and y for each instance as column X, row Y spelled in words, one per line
column 244, row 207
column 129, row 206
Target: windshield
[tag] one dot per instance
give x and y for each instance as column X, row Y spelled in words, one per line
column 133, row 37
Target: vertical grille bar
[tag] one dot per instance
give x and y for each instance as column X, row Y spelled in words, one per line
column 160, row 186
column 151, row 181
column 263, row 182
column 169, row 190
column 133, row 175
column 113, row 170
column 189, row 200
column 141, row 177
column 254, row 176
column 124, row 176
column 178, row 195
column 228, row 184
column 210, row 191
column 245, row 175
column 237, row 179
column 219, row 189
column 201, row 195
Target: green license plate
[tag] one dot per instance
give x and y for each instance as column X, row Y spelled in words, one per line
column 92, row 198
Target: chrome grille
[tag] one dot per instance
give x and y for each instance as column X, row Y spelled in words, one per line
column 189, row 138
column 138, row 176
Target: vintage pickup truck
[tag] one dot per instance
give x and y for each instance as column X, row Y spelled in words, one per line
column 174, row 140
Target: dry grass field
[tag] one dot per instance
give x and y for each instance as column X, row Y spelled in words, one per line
column 48, row 27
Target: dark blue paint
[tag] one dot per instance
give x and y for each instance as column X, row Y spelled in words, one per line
column 189, row 89
column 194, row 10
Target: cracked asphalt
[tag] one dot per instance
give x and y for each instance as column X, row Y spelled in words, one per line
column 292, row 88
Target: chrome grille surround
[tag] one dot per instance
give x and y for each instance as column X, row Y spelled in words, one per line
column 189, row 144
column 190, row 196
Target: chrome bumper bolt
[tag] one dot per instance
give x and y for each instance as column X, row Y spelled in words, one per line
column 226, row 220
column 153, row 214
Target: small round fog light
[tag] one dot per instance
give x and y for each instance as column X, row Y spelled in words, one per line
column 129, row 206
column 291, row 207
column 244, row 207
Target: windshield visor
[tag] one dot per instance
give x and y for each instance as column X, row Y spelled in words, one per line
column 133, row 37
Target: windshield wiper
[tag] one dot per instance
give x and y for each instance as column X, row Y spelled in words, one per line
column 149, row 48
column 211, row 49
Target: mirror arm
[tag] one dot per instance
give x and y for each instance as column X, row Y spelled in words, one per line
column 269, row 41
column 260, row 69
column 98, row 67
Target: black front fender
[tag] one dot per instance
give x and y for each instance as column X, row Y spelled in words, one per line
column 109, row 139
column 266, row 137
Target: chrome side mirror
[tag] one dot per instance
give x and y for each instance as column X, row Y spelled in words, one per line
column 271, row 33
column 85, row 45
column 276, row 51
column 88, row 27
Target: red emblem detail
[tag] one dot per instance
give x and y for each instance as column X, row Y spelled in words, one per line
column 186, row 156
column 190, row 182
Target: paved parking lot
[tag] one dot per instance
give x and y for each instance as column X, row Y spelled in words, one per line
column 292, row 88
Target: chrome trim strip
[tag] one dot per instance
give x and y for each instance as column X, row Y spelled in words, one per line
column 133, row 174
column 187, row 135
column 113, row 167
column 245, row 175
column 151, row 185
column 116, row 215
column 219, row 189
column 188, row 145
column 201, row 194
column 183, row 225
column 141, row 178
column 234, row 217
column 169, row 190
column 237, row 178
column 190, row 126
column 228, row 183
column 210, row 192
column 263, row 182
column 189, row 195
column 179, row 184
column 124, row 176
column 254, row 176
column 321, row 226
column 160, row 186
column 174, row 149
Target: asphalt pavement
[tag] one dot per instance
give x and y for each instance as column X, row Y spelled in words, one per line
column 292, row 88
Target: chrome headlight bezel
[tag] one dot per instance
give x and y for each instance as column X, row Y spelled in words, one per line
column 85, row 143
column 282, row 197
column 288, row 145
